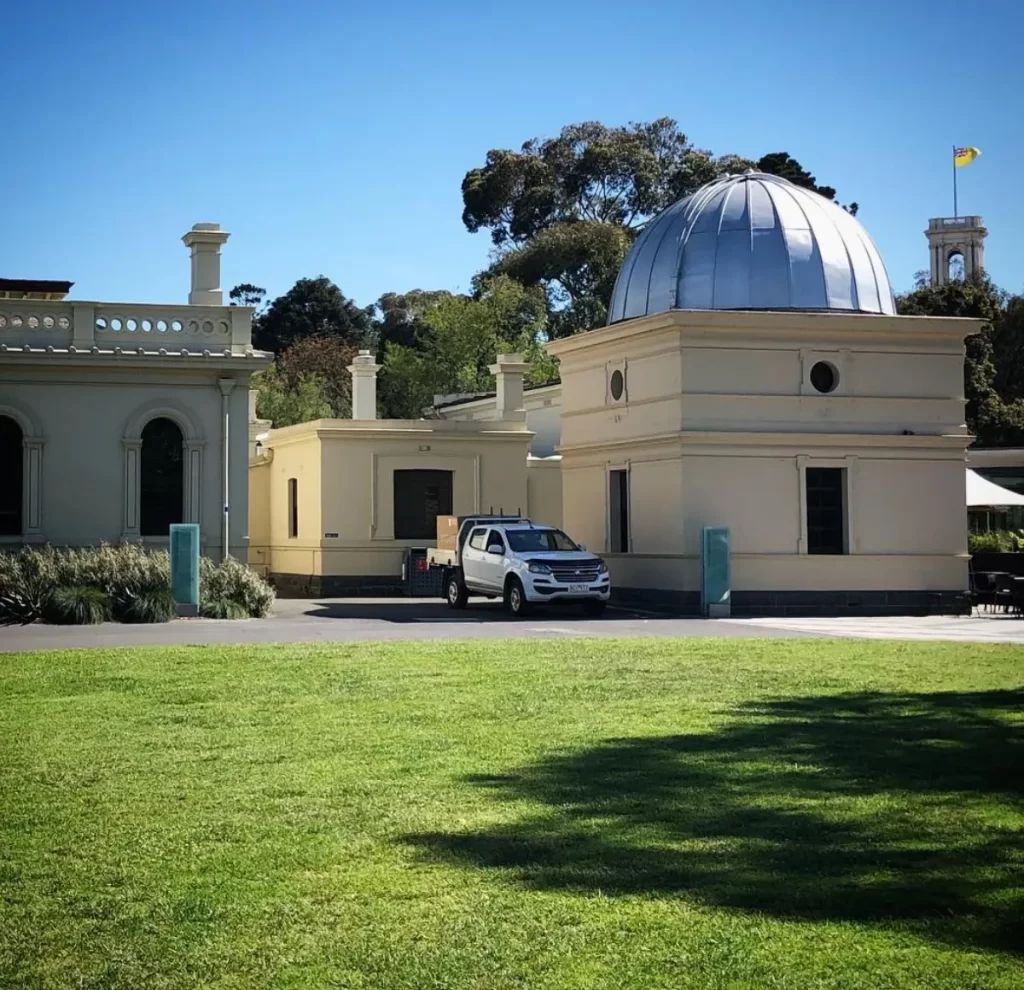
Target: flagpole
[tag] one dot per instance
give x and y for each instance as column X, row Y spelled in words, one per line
column 955, row 214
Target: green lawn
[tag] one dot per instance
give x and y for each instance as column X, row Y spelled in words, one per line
column 575, row 814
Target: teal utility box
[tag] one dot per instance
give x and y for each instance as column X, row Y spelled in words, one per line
column 185, row 567
column 715, row 579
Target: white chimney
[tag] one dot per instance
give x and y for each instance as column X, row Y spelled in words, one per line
column 508, row 373
column 364, row 370
column 205, row 240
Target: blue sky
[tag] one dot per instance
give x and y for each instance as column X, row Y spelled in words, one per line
column 333, row 137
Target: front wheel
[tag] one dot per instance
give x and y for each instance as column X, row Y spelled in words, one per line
column 515, row 599
column 456, row 592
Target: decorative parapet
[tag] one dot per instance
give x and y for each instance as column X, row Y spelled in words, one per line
column 41, row 324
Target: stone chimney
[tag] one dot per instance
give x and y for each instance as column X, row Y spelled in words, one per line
column 204, row 240
column 508, row 372
column 364, row 370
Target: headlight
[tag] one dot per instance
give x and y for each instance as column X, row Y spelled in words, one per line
column 602, row 567
column 536, row 567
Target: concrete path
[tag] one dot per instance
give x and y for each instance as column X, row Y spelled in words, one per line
column 368, row 620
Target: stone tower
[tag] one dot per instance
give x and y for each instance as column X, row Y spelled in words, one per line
column 949, row 237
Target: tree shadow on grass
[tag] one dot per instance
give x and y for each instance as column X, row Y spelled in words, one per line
column 866, row 807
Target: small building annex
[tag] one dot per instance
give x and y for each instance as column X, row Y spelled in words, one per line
column 335, row 503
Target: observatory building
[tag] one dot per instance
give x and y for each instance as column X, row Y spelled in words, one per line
column 754, row 375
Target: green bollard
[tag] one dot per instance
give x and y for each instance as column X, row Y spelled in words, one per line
column 185, row 567
column 715, row 583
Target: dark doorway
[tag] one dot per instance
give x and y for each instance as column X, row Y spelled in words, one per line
column 12, row 477
column 162, row 489
column 420, row 497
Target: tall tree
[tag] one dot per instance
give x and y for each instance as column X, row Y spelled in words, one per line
column 563, row 211
column 782, row 164
column 994, row 419
column 326, row 359
column 247, row 294
column 577, row 264
column 400, row 316
column 465, row 335
column 313, row 307
column 1008, row 349
column 590, row 172
column 287, row 401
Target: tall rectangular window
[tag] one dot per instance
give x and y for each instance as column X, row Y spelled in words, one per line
column 826, row 510
column 420, row 497
column 293, row 507
column 618, row 511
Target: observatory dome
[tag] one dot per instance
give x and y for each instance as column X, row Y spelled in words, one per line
column 752, row 241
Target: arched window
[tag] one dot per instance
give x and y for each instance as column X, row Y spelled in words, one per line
column 162, row 478
column 955, row 270
column 11, row 477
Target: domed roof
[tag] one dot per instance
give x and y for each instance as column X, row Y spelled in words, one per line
column 752, row 241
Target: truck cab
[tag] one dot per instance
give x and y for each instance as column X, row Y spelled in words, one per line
column 522, row 563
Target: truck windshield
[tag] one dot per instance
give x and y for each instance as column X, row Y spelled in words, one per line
column 543, row 540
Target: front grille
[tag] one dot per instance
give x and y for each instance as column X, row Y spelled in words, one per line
column 574, row 573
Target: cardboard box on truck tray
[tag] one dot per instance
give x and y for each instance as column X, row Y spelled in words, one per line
column 447, row 532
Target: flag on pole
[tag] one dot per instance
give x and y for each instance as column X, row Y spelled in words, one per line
column 964, row 156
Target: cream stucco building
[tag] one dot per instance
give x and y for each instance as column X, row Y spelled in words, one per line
column 335, row 504
column 118, row 419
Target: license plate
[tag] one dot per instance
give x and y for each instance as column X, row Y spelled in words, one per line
column 578, row 589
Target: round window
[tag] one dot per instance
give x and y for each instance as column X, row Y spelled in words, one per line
column 618, row 384
column 824, row 376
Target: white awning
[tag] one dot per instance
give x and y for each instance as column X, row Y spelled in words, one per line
column 982, row 492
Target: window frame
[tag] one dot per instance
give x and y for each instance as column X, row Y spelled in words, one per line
column 849, row 467
column 293, row 508
column 622, row 368
column 625, row 517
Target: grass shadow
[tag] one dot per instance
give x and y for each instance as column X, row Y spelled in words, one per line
column 866, row 807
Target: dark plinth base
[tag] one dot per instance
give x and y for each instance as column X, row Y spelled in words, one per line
column 336, row 586
column 757, row 604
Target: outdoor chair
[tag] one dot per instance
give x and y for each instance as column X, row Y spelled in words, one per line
column 1005, row 594
column 982, row 590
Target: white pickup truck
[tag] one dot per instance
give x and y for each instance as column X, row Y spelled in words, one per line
column 522, row 563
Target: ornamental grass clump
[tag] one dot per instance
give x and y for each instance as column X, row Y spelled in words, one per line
column 232, row 581
column 126, row 582
column 76, row 605
column 154, row 604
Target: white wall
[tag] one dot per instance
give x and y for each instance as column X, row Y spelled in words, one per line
column 543, row 416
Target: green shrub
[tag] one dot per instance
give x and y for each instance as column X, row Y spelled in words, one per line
column 154, row 604
column 222, row 608
column 994, row 541
column 76, row 605
column 20, row 607
column 231, row 580
column 125, row 572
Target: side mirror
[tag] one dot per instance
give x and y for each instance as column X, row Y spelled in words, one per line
column 496, row 548
column 581, row 546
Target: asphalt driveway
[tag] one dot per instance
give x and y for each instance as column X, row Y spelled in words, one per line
column 325, row 620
